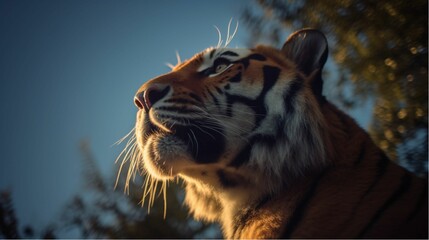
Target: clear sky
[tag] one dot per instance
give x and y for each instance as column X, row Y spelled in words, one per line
column 69, row 71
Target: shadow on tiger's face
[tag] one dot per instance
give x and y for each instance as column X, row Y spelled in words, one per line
column 226, row 111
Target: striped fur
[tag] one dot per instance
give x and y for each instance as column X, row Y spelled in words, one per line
column 263, row 153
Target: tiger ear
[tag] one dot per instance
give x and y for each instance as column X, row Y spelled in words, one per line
column 308, row 48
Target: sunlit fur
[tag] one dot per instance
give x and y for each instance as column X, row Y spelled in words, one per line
column 263, row 153
column 133, row 155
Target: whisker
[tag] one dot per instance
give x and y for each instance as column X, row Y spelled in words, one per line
column 230, row 37
column 124, row 137
column 219, row 43
column 195, row 138
column 164, row 190
column 227, row 34
column 169, row 65
column 130, row 147
column 124, row 160
column 130, row 142
column 155, row 186
column 179, row 61
column 131, row 154
column 130, row 173
column 145, row 190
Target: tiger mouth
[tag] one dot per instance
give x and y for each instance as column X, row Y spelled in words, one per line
column 170, row 148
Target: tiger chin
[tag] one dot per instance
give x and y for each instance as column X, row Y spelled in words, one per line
column 263, row 153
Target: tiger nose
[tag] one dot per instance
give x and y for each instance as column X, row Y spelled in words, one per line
column 147, row 98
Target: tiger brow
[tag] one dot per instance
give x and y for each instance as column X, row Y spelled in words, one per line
column 229, row 53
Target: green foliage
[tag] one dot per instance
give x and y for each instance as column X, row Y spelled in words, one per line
column 381, row 49
column 102, row 212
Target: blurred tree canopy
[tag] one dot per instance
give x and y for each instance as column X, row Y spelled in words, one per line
column 103, row 212
column 381, row 50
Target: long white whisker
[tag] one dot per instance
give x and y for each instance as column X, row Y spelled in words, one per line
column 130, row 147
column 169, row 65
column 124, row 160
column 124, row 137
column 179, row 61
column 219, row 43
column 153, row 192
column 227, row 35
column 146, row 188
column 164, row 190
column 132, row 154
column 131, row 169
column 233, row 34
column 129, row 143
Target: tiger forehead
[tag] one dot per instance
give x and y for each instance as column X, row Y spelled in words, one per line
column 206, row 58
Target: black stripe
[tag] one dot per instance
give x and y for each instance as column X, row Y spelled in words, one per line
column 215, row 100
column 243, row 217
column 265, row 199
column 219, row 90
column 243, row 156
column 257, row 57
column 381, row 169
column 246, row 61
column 300, row 210
column 229, row 53
column 362, row 153
column 271, row 75
column 196, row 97
column 182, row 120
column 236, row 78
column 212, row 53
column 224, row 180
column 181, row 101
column 231, row 99
column 291, row 93
column 178, row 109
column 403, row 187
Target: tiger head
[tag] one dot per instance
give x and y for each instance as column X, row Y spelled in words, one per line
column 236, row 124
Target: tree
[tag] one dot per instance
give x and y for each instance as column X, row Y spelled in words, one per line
column 9, row 227
column 103, row 212
column 381, row 49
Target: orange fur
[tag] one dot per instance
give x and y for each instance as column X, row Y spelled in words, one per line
column 290, row 164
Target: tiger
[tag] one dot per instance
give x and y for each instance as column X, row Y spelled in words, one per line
column 263, row 153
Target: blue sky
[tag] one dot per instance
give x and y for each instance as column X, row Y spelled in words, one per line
column 69, row 71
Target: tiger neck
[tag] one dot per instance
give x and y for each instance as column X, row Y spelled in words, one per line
column 255, row 215
column 268, row 214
